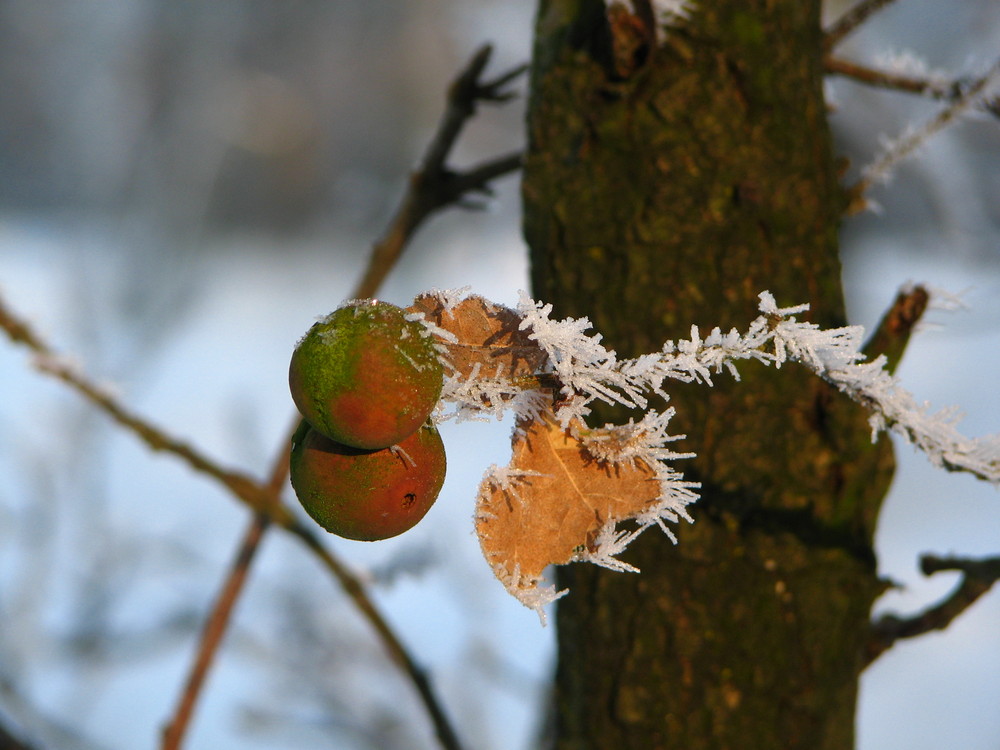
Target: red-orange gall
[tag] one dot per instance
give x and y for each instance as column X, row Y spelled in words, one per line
column 367, row 494
column 366, row 375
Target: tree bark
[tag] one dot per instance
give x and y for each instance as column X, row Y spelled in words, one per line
column 669, row 179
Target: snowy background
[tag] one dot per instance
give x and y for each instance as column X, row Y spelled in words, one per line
column 186, row 187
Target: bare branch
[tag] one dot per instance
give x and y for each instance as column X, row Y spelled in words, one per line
column 464, row 94
column 433, row 186
column 851, row 20
column 930, row 87
column 978, row 576
column 892, row 334
column 215, row 626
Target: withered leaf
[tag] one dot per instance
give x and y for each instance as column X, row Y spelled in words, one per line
column 556, row 500
column 487, row 333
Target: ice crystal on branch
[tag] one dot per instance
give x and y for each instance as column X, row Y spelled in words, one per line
column 573, row 492
column 834, row 355
column 907, row 63
column 585, row 369
column 973, row 96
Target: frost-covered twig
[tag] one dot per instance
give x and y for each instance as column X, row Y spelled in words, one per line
column 588, row 371
column 896, row 150
column 926, row 84
column 835, row 356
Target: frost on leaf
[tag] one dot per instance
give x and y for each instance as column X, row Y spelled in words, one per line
column 485, row 334
column 491, row 362
column 557, row 502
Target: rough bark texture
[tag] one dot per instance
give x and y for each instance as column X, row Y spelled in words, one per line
column 667, row 185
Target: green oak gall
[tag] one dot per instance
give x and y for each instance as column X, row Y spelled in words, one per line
column 367, row 494
column 365, row 375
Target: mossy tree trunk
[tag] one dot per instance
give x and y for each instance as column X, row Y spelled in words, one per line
column 667, row 183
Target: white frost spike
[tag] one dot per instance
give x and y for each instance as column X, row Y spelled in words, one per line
column 906, row 63
column 449, row 298
column 669, row 11
column 694, row 360
column 431, row 328
column 529, row 591
column 609, row 543
column 506, row 479
column 399, row 451
column 636, row 441
column 476, row 394
column 643, row 442
column 580, row 362
column 942, row 299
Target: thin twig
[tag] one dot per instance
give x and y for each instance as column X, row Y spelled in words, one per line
column 908, row 143
column 924, row 86
column 978, row 576
column 848, row 22
column 433, row 186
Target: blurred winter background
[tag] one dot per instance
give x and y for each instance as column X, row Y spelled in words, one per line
column 185, row 186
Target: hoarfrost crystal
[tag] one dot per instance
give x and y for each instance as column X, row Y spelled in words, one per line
column 573, row 492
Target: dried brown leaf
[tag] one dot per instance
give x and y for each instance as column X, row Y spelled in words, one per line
column 488, row 335
column 556, row 500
